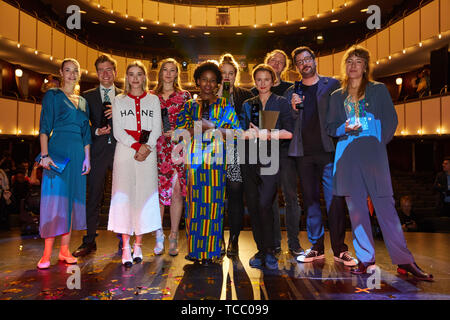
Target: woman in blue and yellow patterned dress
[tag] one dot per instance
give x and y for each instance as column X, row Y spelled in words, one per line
column 206, row 164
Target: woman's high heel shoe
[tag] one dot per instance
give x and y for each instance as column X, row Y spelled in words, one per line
column 137, row 253
column 173, row 244
column 67, row 259
column 43, row 265
column 159, row 248
column 126, row 257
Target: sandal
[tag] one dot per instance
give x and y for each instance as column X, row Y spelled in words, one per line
column 173, row 244
column 159, row 247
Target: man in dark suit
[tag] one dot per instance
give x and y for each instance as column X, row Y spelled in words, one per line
column 102, row 148
column 312, row 154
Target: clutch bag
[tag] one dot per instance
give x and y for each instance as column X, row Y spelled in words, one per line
column 61, row 162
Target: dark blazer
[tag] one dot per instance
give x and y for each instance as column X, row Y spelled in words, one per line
column 239, row 96
column 100, row 144
column 325, row 87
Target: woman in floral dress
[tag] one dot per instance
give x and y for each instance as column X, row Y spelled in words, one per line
column 172, row 177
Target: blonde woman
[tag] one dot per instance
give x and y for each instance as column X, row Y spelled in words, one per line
column 171, row 177
column 63, row 197
column 137, row 126
column 361, row 114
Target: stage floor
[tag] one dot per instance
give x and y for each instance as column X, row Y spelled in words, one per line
column 165, row 278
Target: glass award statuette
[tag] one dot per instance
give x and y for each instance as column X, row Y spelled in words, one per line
column 226, row 90
column 205, row 109
column 105, row 121
column 255, row 114
column 298, row 90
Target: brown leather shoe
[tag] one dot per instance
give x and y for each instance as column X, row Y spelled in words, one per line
column 85, row 249
column 414, row 269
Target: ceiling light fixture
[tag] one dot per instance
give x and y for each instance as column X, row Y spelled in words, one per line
column 111, row 21
column 334, row 21
column 271, row 31
column 206, row 33
column 95, row 22
column 239, row 33
column 303, row 28
column 143, row 28
column 175, row 31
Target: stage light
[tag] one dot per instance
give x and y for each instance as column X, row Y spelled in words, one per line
column 19, row 73
column 399, row 81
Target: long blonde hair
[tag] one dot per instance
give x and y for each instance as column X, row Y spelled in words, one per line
column 176, row 81
column 228, row 58
column 364, row 54
column 138, row 64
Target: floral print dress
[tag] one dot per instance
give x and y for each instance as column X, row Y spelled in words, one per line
column 168, row 172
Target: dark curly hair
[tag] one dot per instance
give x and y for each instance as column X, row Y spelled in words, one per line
column 210, row 65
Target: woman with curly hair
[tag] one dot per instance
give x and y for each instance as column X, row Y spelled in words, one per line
column 205, row 164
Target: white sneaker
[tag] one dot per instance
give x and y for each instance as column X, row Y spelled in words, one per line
column 159, row 247
column 310, row 255
column 346, row 258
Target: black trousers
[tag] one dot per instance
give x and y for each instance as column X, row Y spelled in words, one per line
column 235, row 194
column 96, row 185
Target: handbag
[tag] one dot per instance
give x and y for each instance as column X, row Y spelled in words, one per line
column 61, row 162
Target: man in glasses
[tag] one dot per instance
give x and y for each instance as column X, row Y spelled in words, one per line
column 312, row 154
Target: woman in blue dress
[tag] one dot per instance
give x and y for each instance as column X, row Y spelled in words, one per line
column 64, row 134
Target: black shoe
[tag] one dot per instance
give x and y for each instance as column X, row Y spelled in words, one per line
column 362, row 268
column 296, row 252
column 85, row 249
column 257, row 261
column 414, row 269
column 233, row 247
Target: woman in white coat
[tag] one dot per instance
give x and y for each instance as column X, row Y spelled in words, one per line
column 135, row 200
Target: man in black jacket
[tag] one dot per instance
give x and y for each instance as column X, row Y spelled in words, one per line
column 311, row 154
column 102, row 148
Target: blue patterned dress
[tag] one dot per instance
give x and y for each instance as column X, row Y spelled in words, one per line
column 63, row 196
column 206, row 179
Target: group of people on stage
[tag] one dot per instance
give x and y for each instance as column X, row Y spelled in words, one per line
column 133, row 132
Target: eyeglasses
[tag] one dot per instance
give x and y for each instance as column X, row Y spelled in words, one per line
column 303, row 61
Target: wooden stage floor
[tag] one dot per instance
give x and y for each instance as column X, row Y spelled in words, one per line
column 174, row 278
